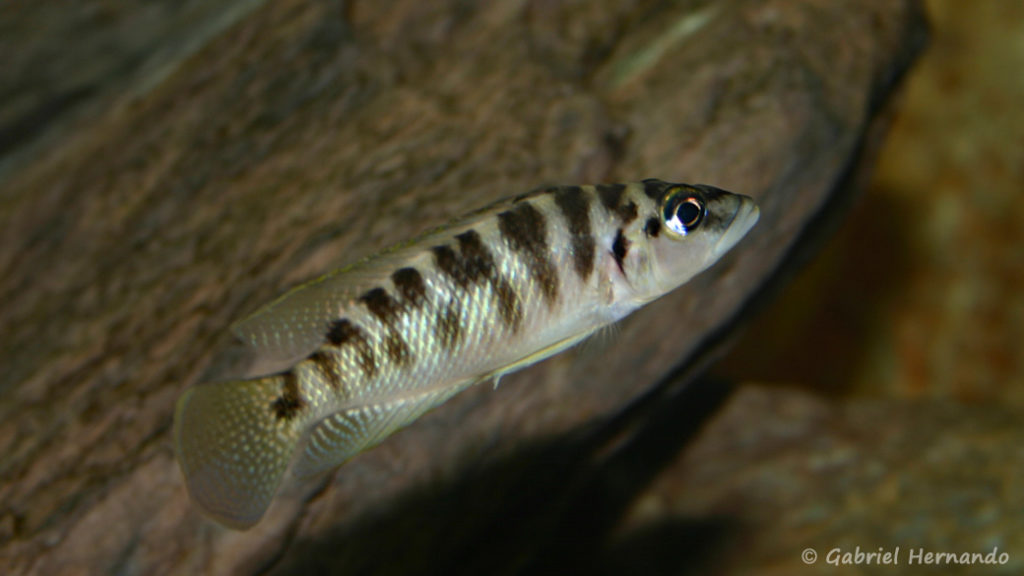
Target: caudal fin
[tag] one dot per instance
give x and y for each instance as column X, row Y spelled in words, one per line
column 233, row 449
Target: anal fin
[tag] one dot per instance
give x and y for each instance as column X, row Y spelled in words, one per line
column 342, row 435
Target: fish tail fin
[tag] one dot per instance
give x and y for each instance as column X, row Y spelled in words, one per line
column 234, row 447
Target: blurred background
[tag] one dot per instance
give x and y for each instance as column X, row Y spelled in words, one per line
column 882, row 386
column 921, row 291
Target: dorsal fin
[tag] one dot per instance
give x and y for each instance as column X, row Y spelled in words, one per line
column 293, row 326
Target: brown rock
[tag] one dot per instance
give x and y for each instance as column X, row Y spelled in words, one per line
column 313, row 133
column 778, row 472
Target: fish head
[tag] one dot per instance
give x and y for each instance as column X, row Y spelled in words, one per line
column 697, row 225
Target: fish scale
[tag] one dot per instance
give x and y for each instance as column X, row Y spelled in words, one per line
column 364, row 351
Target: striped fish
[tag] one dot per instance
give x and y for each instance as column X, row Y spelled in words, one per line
column 368, row 349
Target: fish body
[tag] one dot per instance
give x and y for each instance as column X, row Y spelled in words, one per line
column 364, row 351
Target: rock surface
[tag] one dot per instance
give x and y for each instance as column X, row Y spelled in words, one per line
column 919, row 293
column 778, row 471
column 314, row 132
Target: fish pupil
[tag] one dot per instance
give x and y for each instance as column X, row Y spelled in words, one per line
column 683, row 213
column 689, row 212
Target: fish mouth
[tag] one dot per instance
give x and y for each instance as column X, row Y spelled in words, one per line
column 746, row 215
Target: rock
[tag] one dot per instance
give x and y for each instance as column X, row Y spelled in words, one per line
column 779, row 471
column 312, row 133
column 64, row 63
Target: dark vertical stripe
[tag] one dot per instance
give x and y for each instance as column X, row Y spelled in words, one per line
column 619, row 250
column 327, row 365
column 289, row 403
column 343, row 332
column 525, row 231
column 448, row 326
column 410, row 285
column 508, row 304
column 474, row 264
column 610, row 195
column 627, row 212
column 615, row 200
column 387, row 310
column 654, row 188
column 381, row 305
column 479, row 266
column 397, row 349
column 575, row 206
column 448, row 262
column 340, row 332
column 653, row 227
column 477, row 262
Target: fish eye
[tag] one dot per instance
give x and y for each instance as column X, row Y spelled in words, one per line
column 683, row 212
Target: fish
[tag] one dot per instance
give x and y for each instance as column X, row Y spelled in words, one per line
column 364, row 351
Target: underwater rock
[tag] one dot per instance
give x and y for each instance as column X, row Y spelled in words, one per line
column 779, row 471
column 311, row 133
